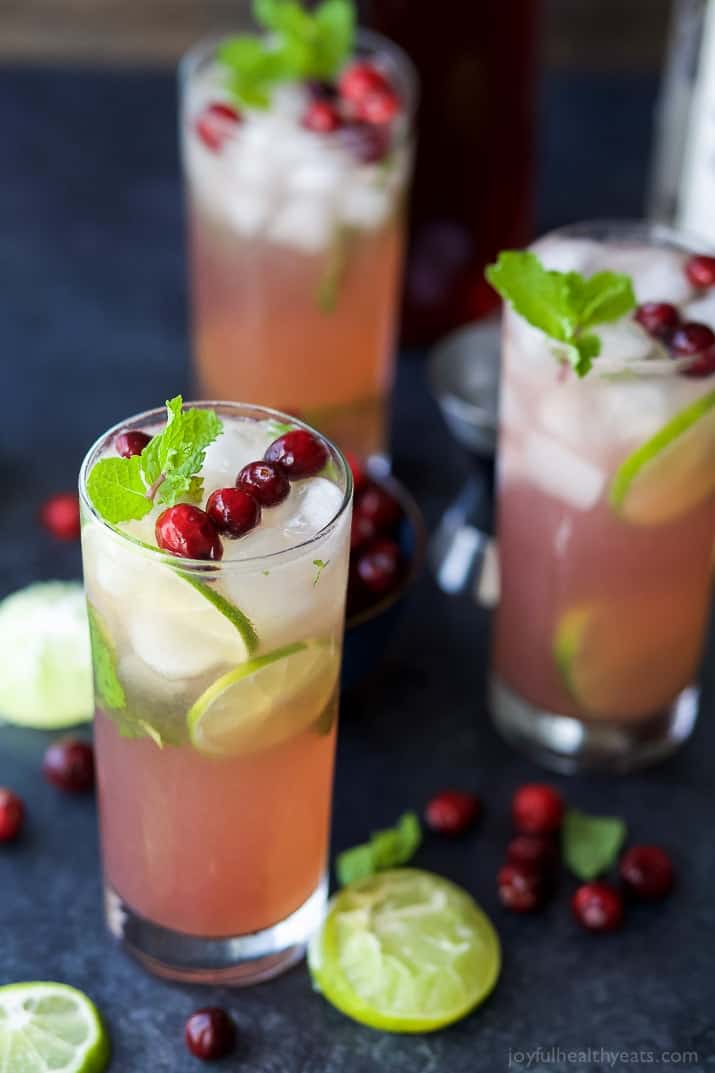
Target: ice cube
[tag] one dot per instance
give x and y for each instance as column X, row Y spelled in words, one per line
column 241, row 442
column 318, row 175
column 306, row 223
column 139, row 679
column 658, row 274
column 248, row 210
column 623, row 341
column 365, row 204
column 702, row 309
column 568, row 254
column 311, row 505
column 288, row 100
column 561, row 472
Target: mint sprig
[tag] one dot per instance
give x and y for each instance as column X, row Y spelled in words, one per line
column 591, row 844
column 386, row 849
column 564, row 305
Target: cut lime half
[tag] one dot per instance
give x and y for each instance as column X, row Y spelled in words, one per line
column 47, row 1026
column 45, row 660
column 672, row 472
column 405, row 951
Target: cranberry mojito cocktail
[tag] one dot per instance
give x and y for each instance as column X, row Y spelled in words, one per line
column 606, row 511
column 215, row 548
column 297, row 147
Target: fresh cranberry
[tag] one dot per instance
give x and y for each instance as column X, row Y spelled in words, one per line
column 265, row 482
column 210, row 1033
column 697, row 340
column 69, row 765
column 598, row 907
column 12, row 814
column 538, row 851
column 700, row 270
column 188, row 532
column 379, row 567
column 297, row 453
column 520, row 887
column 233, row 511
column 647, row 872
column 366, row 143
column 452, row 812
column 361, row 79
column 382, row 509
column 537, row 809
column 380, row 106
column 131, row 443
column 658, row 318
column 360, row 477
column 60, row 515
column 362, row 531
column 322, row 117
column 216, row 123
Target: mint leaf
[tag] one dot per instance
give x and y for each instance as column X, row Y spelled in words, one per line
column 335, row 20
column 171, row 460
column 602, row 298
column 319, row 565
column 355, row 863
column 386, row 849
column 254, row 68
column 110, row 692
column 591, row 844
column 117, row 490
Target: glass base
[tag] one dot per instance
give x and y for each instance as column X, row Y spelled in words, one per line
column 565, row 744
column 233, row 961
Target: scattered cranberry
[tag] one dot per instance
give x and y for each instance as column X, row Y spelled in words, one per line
column 452, row 812
column 368, row 144
column 537, row 809
column 360, row 80
column 210, row 1033
column 379, row 507
column 647, row 872
column 188, row 532
column 297, row 454
column 322, row 117
column 700, row 270
column 598, row 907
column 379, row 567
column 360, row 477
column 233, row 511
column 362, row 531
column 379, row 106
column 537, row 851
column 265, row 482
column 216, row 124
column 69, row 765
column 658, row 318
column 520, row 887
column 131, row 443
column 12, row 814
column 699, row 341
column 60, row 515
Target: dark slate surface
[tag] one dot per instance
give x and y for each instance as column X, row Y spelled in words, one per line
column 92, row 328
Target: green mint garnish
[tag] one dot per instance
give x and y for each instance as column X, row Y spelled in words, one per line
column 110, row 692
column 591, row 843
column 564, row 305
column 386, row 849
column 166, row 472
column 319, row 565
column 298, row 45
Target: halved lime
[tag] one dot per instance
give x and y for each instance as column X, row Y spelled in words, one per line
column 266, row 699
column 48, row 1026
column 45, row 659
column 405, row 951
column 672, row 472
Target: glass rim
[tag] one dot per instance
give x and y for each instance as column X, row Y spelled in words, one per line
column 204, row 566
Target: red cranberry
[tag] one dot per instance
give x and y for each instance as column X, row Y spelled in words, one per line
column 69, row 765
column 380, row 565
column 361, row 79
column 210, row 1033
column 452, row 812
column 366, row 143
column 380, row 106
column 700, row 270
column 647, row 872
column 216, row 123
column 131, row 443
column 537, row 809
column 379, row 506
column 12, row 814
column 658, row 318
column 322, row 117
column 60, row 515
column 297, row 453
column 265, row 482
column 188, row 532
column 520, row 887
column 598, row 907
column 233, row 511
column 538, row 851
column 362, row 531
column 697, row 340
column 360, row 477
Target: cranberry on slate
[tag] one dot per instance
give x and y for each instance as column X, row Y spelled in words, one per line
column 520, row 887
column 700, row 270
column 233, row 511
column 297, row 454
column 598, row 907
column 216, row 124
column 538, row 851
column 188, row 532
column 379, row 506
column 379, row 567
column 366, row 143
column 12, row 814
column 537, row 809
column 322, row 117
column 452, row 812
column 60, row 515
column 131, row 442
column 697, row 340
column 362, row 531
column 647, row 872
column 265, row 482
column 658, row 318
column 361, row 79
column 69, row 765
column 210, row 1033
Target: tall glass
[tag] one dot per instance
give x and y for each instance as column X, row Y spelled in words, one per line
column 295, row 248
column 215, row 756
column 606, row 522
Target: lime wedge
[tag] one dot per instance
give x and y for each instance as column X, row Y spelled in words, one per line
column 46, row 1026
column 405, row 951
column 45, row 660
column 266, row 699
column 672, row 472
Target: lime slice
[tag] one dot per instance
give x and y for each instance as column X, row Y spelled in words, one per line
column 266, row 699
column 672, row 472
column 45, row 660
column 46, row 1026
column 405, row 951
column 626, row 658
